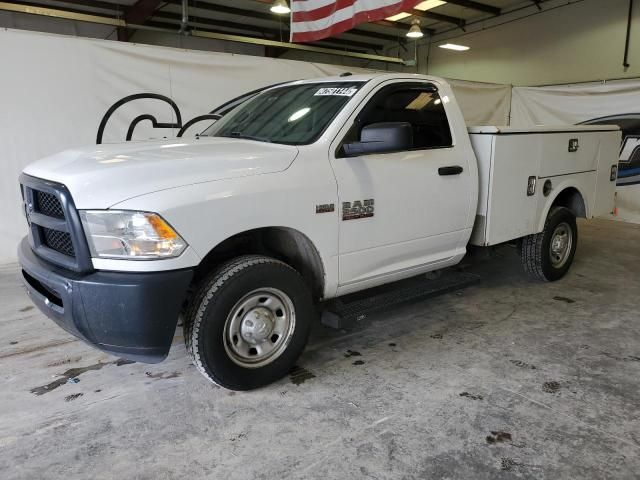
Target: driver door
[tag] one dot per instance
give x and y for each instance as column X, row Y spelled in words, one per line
column 414, row 203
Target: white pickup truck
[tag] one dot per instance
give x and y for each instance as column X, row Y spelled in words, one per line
column 304, row 192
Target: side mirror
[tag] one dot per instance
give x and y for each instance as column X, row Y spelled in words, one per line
column 381, row 137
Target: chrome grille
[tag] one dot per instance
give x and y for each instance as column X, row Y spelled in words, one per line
column 58, row 241
column 48, row 204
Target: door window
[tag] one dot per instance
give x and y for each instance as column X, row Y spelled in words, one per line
column 417, row 104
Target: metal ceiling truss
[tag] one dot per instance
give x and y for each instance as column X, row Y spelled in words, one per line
column 215, row 8
column 480, row 7
column 121, row 23
column 150, row 13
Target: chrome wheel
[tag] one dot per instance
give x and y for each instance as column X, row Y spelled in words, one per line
column 560, row 245
column 259, row 327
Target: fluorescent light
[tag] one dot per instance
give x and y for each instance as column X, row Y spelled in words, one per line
column 398, row 16
column 429, row 4
column 424, row 6
column 453, row 46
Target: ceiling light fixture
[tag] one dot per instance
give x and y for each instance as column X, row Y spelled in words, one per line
column 414, row 31
column 281, row 7
column 453, row 46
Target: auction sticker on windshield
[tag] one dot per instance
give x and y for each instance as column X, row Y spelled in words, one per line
column 340, row 91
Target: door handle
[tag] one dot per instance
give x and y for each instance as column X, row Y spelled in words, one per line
column 453, row 170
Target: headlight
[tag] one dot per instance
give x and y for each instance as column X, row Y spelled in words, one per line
column 130, row 235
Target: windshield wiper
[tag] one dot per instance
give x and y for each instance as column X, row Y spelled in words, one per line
column 248, row 137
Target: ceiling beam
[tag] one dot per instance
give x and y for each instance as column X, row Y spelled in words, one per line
column 45, row 11
column 480, row 7
column 383, row 23
column 78, row 11
column 271, row 17
column 138, row 13
column 168, row 25
column 296, row 46
column 402, row 27
column 273, row 33
column 438, row 17
column 83, row 17
column 141, row 11
column 98, row 4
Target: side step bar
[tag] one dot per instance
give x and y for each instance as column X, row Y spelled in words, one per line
column 345, row 311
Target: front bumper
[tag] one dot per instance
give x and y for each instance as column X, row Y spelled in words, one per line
column 131, row 315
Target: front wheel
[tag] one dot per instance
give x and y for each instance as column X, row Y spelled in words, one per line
column 548, row 255
column 249, row 322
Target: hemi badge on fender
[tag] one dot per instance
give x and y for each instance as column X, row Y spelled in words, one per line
column 325, row 208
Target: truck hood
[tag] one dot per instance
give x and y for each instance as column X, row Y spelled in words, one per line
column 103, row 175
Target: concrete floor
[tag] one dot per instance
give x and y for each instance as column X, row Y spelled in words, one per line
column 507, row 379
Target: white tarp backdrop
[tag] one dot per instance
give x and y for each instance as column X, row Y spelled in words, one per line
column 54, row 91
column 615, row 102
column 483, row 103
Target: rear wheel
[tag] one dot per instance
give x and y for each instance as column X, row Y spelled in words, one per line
column 548, row 255
column 249, row 322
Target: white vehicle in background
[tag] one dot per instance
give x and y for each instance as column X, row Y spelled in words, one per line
column 307, row 191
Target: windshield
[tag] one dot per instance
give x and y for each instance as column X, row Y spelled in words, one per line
column 293, row 115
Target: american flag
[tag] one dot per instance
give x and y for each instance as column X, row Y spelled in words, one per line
column 316, row 19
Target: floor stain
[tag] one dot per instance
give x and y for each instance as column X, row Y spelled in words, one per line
column 564, row 299
column 123, row 361
column 437, row 336
column 162, row 375
column 299, row 375
column 498, row 437
column 550, row 387
column 630, row 358
column 358, row 362
column 507, row 464
column 392, row 344
column 521, row 364
column 64, row 361
column 65, row 377
column 476, row 325
column 13, row 343
column 27, row 308
column 72, row 397
column 72, row 375
column 352, row 353
column 38, row 348
column 472, row 396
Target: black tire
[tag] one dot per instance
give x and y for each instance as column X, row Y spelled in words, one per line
column 205, row 324
column 535, row 249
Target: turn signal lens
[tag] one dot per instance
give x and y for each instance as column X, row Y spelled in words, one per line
column 160, row 226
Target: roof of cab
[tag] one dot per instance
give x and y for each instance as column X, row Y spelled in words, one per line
column 370, row 76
